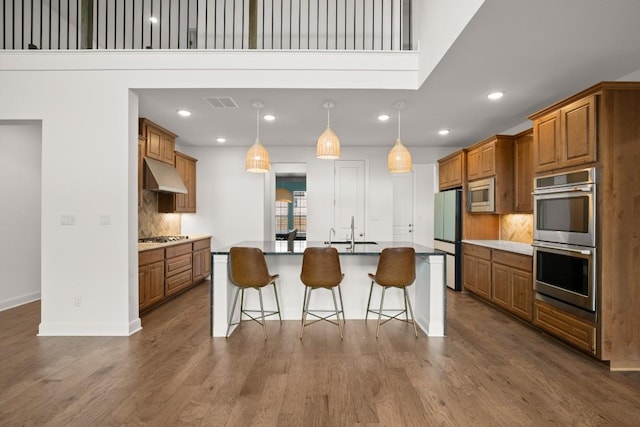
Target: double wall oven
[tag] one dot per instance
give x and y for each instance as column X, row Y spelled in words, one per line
column 564, row 240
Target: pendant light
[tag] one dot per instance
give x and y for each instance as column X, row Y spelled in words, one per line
column 284, row 195
column 257, row 157
column 328, row 146
column 399, row 159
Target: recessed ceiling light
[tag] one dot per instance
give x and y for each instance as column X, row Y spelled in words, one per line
column 184, row 113
column 383, row 117
column 443, row 132
column 153, row 19
column 269, row 117
column 221, row 140
column 495, row 95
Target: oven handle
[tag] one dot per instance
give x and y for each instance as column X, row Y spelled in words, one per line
column 580, row 188
column 561, row 248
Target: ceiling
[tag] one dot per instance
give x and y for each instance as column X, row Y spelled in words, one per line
column 537, row 52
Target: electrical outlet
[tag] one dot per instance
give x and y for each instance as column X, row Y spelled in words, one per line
column 77, row 301
column 105, row 219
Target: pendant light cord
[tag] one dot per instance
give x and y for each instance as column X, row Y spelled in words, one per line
column 328, row 117
column 398, row 123
column 258, row 123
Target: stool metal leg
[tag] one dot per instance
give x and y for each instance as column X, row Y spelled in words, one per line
column 335, row 304
column 380, row 312
column 275, row 291
column 413, row 319
column 344, row 320
column 264, row 324
column 233, row 307
column 366, row 315
column 305, row 308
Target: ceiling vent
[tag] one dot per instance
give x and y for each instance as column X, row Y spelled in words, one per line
column 219, row 102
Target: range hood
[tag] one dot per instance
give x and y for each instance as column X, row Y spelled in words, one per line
column 162, row 177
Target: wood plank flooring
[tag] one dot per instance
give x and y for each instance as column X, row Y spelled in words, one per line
column 491, row 370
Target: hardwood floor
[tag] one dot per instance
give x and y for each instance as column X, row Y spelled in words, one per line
column 490, row 370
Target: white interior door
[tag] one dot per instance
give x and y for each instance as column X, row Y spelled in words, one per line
column 350, row 188
column 403, row 201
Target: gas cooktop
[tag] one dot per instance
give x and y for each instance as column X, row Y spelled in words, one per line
column 162, row 239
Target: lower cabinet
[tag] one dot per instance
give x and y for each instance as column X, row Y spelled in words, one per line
column 165, row 272
column 566, row 326
column 503, row 278
column 150, row 278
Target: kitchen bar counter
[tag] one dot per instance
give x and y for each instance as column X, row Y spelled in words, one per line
column 427, row 293
column 504, row 245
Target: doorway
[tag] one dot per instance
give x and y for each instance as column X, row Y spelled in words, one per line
column 291, row 206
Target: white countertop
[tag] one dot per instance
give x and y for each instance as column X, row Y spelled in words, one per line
column 504, row 245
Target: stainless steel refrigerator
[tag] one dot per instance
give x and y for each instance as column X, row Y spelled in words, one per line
column 447, row 233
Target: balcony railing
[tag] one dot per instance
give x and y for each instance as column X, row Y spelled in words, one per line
column 207, row 24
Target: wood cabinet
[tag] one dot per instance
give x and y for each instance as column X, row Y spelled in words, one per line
column 141, row 149
column 523, row 172
column 512, row 282
column 566, row 136
column 178, row 267
column 181, row 203
column 201, row 259
column 493, row 157
column 165, row 272
column 451, row 170
column 160, row 143
column 566, row 326
column 150, row 278
column 476, row 271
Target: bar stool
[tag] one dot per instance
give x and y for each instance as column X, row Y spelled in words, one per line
column 321, row 269
column 248, row 269
column 396, row 269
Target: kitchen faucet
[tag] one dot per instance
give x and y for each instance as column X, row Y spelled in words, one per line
column 331, row 231
column 353, row 234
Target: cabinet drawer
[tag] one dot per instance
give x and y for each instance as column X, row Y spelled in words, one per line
column 178, row 264
column 521, row 262
column 565, row 326
column 478, row 251
column 149, row 257
column 201, row 244
column 174, row 251
column 177, row 282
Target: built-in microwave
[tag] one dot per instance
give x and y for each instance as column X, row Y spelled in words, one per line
column 481, row 195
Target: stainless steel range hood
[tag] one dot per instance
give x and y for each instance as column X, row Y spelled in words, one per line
column 162, row 177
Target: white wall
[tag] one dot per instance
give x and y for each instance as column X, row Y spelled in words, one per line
column 20, row 188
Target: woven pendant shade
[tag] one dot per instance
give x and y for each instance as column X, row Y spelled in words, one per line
column 284, row 195
column 399, row 160
column 328, row 146
column 257, row 158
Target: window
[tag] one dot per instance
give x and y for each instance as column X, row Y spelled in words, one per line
column 300, row 211
column 282, row 217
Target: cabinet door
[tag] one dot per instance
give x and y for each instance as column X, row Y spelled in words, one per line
column 181, row 200
column 501, row 292
column 198, row 266
column 522, row 293
column 470, row 273
column 154, row 144
column 524, row 173
column 546, row 140
column 484, row 278
column 141, row 150
column 155, row 291
column 579, row 132
column 167, row 149
column 473, row 164
column 488, row 160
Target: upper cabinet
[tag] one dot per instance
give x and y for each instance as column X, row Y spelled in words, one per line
column 566, row 136
column 160, row 143
column 493, row 157
column 523, row 173
column 181, row 203
column 451, row 170
column 141, row 148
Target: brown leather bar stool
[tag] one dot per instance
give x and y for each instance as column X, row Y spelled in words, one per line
column 321, row 269
column 248, row 269
column 396, row 269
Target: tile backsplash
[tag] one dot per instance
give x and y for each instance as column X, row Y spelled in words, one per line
column 517, row 228
column 151, row 223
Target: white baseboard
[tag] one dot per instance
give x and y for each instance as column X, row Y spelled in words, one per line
column 57, row 329
column 19, row 300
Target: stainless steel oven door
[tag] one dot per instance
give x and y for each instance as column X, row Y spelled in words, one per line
column 481, row 195
column 566, row 273
column 565, row 215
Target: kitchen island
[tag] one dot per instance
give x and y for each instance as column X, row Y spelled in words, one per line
column 285, row 258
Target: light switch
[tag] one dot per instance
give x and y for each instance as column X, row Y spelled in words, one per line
column 105, row 219
column 67, row 220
